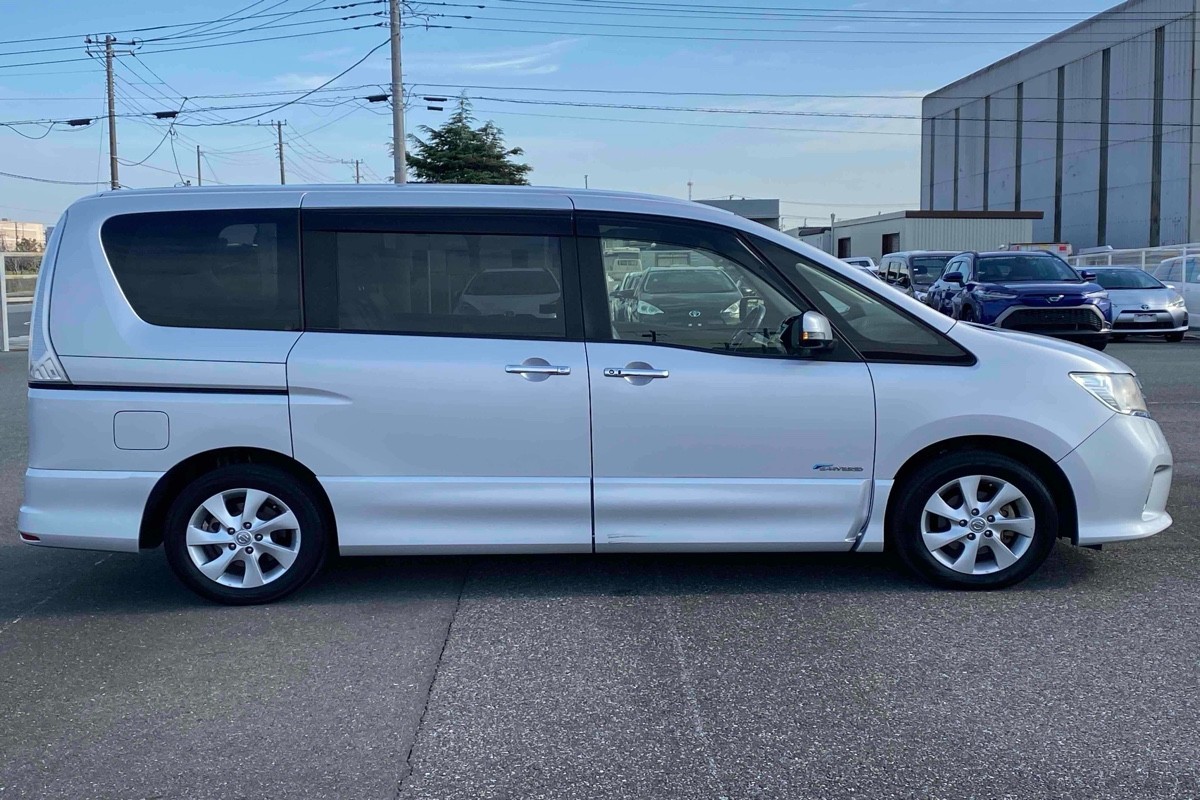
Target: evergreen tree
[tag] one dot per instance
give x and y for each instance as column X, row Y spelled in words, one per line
column 457, row 152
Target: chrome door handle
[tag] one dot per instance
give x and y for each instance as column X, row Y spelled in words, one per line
column 536, row 369
column 635, row 372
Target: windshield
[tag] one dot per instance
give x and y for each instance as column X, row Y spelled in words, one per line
column 1023, row 268
column 927, row 269
column 513, row 282
column 689, row 281
column 1132, row 278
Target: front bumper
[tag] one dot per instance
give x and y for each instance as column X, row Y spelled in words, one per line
column 1121, row 476
column 1165, row 321
column 84, row 509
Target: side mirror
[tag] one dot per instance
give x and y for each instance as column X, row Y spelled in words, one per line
column 953, row 277
column 623, row 294
column 808, row 333
column 748, row 291
column 903, row 281
column 1087, row 275
column 1171, row 286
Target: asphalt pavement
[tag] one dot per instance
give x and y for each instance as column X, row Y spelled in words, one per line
column 18, row 319
column 764, row 676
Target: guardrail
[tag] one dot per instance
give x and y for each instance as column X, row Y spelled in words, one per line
column 18, row 277
column 1144, row 257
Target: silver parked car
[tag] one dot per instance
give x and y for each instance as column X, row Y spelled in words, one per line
column 1142, row 304
column 438, row 370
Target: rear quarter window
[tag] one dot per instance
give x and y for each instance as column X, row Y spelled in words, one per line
column 233, row 269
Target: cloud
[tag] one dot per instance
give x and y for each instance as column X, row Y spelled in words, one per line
column 542, row 59
column 328, row 55
column 297, row 80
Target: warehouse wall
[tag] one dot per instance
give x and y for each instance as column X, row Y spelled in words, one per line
column 1116, row 172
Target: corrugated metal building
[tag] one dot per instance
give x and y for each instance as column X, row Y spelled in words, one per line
column 764, row 212
column 921, row 230
column 1095, row 127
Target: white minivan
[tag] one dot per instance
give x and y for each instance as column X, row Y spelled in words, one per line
column 255, row 377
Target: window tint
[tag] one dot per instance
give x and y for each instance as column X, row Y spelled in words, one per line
column 877, row 329
column 208, row 269
column 447, row 283
column 1023, row 268
column 1126, row 279
column 716, row 303
column 1169, row 271
column 693, row 281
column 1192, row 273
column 927, row 269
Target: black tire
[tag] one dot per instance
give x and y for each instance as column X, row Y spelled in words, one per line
column 1098, row 345
column 1175, row 337
column 297, row 495
column 966, row 314
column 904, row 523
column 1117, row 337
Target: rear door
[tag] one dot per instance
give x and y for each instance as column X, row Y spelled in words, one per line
column 705, row 434
column 1190, row 289
column 437, row 421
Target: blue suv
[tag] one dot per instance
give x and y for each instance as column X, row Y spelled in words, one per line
column 1032, row 292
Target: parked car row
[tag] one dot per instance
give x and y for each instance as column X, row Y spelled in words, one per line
column 1038, row 292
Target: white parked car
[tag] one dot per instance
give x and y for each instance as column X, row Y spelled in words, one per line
column 863, row 262
column 200, row 381
column 1183, row 275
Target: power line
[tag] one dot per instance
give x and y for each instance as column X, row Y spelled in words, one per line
column 23, row 40
column 785, row 9
column 50, row 180
column 369, row 53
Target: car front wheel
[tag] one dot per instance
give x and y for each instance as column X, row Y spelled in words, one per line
column 974, row 520
column 245, row 534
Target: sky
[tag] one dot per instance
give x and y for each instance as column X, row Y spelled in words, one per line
column 838, row 136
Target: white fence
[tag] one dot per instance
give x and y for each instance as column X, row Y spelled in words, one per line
column 16, row 296
column 1146, row 257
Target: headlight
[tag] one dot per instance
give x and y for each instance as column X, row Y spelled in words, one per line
column 1119, row 391
column 1175, row 302
column 1097, row 295
column 734, row 312
column 646, row 309
column 992, row 294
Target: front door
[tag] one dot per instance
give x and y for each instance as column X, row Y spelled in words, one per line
column 440, row 392
column 705, row 434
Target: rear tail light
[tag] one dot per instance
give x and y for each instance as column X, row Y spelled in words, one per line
column 44, row 366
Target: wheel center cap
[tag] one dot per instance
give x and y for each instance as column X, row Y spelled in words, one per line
column 243, row 538
column 978, row 525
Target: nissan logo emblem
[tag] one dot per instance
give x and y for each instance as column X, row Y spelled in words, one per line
column 1145, row 306
column 693, row 313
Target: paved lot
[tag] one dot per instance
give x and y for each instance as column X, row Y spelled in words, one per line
column 604, row 677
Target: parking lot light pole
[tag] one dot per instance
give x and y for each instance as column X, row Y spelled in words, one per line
column 3, row 303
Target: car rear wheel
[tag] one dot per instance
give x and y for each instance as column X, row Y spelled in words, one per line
column 1175, row 337
column 974, row 520
column 245, row 534
column 1098, row 345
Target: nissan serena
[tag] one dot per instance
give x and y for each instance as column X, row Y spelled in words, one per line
column 255, row 378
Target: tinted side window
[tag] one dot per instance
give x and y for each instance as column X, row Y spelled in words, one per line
column 237, row 269
column 878, row 330
column 434, row 283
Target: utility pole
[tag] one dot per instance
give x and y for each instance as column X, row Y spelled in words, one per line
column 399, row 157
column 689, row 190
column 585, row 181
column 356, row 174
column 113, row 180
column 279, row 132
column 199, row 177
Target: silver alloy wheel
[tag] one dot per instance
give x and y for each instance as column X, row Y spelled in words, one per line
column 243, row 538
column 978, row 524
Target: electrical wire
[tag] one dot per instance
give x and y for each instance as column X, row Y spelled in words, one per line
column 49, row 180
column 369, row 53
